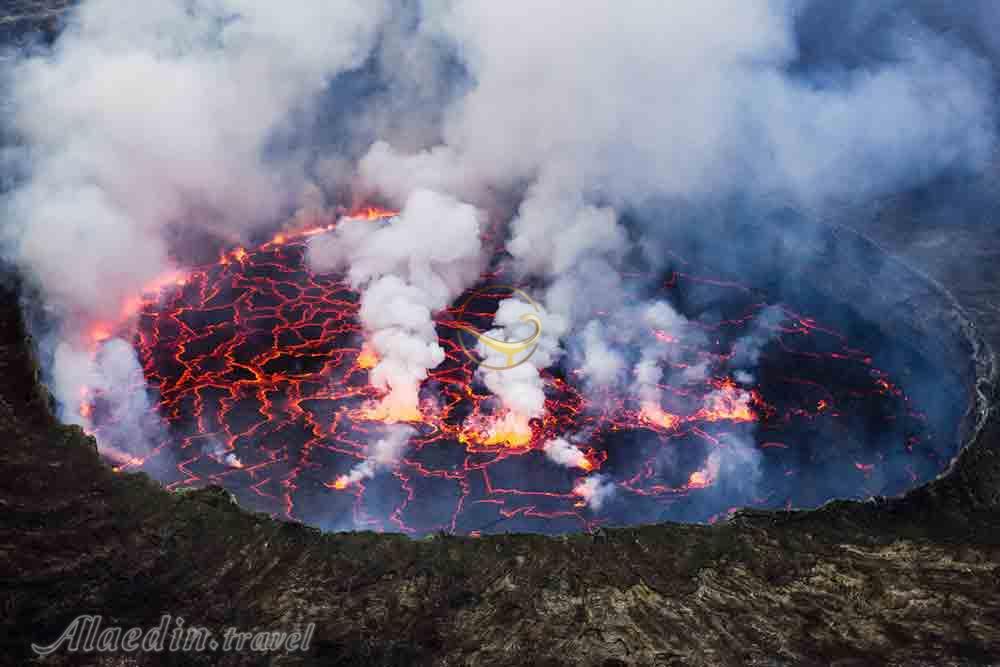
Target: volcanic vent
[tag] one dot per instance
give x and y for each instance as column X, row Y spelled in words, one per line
column 259, row 371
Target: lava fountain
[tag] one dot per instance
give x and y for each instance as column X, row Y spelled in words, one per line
column 259, row 372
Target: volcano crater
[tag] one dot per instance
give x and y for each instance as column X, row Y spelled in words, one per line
column 866, row 373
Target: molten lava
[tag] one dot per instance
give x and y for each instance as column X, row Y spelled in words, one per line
column 508, row 430
column 259, row 369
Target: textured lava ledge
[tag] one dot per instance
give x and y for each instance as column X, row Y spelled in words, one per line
column 908, row 580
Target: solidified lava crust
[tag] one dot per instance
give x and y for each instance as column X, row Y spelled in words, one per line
column 260, row 375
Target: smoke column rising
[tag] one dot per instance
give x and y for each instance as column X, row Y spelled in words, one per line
column 406, row 271
column 144, row 118
column 599, row 110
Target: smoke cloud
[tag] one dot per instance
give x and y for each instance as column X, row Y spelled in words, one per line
column 406, row 271
column 144, row 118
column 595, row 491
column 600, row 113
column 383, row 453
column 564, row 453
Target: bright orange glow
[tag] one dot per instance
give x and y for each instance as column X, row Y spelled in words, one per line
column 100, row 333
column 341, row 483
column 291, row 235
column 509, row 436
column 391, row 412
column 885, row 387
column 131, row 307
column 654, row 414
column 367, row 358
column 373, row 213
column 148, row 292
column 699, row 479
column 728, row 403
column 511, row 430
column 122, row 458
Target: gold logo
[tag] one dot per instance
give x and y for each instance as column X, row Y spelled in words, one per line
column 508, row 348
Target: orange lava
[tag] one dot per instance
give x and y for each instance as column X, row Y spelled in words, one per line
column 388, row 412
column 654, row 414
column 509, row 430
column 707, row 475
column 699, row 479
column 728, row 403
column 367, row 358
column 373, row 213
column 267, row 360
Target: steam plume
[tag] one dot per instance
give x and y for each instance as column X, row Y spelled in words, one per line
column 406, row 271
column 384, row 453
column 595, row 490
column 687, row 102
column 145, row 118
column 564, row 453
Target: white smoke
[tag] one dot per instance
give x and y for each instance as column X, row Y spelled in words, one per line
column 146, row 116
column 115, row 379
column 595, row 491
column 745, row 355
column 681, row 101
column 628, row 350
column 157, row 114
column 565, row 453
column 521, row 388
column 220, row 453
column 406, row 271
column 678, row 101
column 603, row 365
column 383, row 453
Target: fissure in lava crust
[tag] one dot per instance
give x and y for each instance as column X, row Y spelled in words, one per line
column 260, row 376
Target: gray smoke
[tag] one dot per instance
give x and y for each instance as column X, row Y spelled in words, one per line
column 383, row 453
column 406, row 271
column 145, row 117
column 599, row 110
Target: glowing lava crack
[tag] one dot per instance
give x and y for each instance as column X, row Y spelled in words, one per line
column 259, row 371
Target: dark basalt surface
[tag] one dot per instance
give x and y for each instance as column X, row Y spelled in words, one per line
column 910, row 580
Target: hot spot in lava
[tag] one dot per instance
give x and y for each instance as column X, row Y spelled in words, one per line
column 259, row 372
